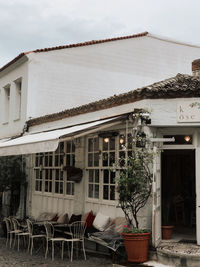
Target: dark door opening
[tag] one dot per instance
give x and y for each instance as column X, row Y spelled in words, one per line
column 178, row 190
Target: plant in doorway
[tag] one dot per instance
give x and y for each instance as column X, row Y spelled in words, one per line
column 167, row 228
column 134, row 189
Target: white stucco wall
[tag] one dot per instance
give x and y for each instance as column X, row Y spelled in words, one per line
column 67, row 78
column 13, row 127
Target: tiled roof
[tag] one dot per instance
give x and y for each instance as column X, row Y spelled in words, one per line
column 176, row 87
column 93, row 42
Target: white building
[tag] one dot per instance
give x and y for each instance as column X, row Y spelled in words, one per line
column 56, row 141
column 49, row 80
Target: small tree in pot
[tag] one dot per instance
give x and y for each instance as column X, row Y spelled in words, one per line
column 134, row 189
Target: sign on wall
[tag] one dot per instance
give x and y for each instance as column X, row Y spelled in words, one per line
column 188, row 111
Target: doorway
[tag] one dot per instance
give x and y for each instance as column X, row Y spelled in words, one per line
column 178, row 192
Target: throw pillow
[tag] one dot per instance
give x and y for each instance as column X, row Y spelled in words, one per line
column 75, row 218
column 90, row 219
column 84, row 217
column 63, row 218
column 101, row 221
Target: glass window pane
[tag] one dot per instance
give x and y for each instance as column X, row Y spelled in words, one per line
column 57, row 175
column 68, row 160
column 61, row 188
column 68, row 147
column 112, row 192
column 105, row 144
column 50, row 186
column 112, row 177
column 96, row 192
column 90, row 145
column 112, row 158
column 61, row 147
column 90, row 160
column 96, row 176
column 130, row 141
column 56, row 187
column 106, row 176
column 112, row 143
column 73, row 159
column 68, row 189
column 121, row 141
column 90, row 190
column 96, row 144
column 72, row 188
column 96, row 159
column 73, row 147
column 105, row 159
column 90, row 176
column 105, row 192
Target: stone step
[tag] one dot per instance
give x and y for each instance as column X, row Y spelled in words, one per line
column 179, row 254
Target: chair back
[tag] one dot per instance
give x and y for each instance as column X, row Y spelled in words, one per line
column 8, row 224
column 49, row 230
column 29, row 226
column 15, row 223
column 78, row 229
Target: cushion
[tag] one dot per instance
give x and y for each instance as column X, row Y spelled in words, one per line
column 51, row 215
column 90, row 219
column 75, row 218
column 101, row 221
column 63, row 218
column 119, row 224
column 84, row 217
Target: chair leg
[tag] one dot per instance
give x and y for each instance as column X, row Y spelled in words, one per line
column 31, row 246
column 72, row 250
column 62, row 252
column 8, row 235
column 10, row 240
column 18, row 242
column 29, row 241
column 83, row 244
column 52, row 250
column 46, row 249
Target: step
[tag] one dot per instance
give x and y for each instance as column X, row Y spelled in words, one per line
column 179, row 254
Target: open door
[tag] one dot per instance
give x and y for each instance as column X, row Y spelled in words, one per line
column 156, row 188
column 198, row 195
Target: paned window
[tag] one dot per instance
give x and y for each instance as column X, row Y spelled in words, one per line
column 38, row 180
column 103, row 153
column 50, row 174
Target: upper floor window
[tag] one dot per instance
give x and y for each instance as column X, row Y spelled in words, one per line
column 6, row 103
column 18, row 89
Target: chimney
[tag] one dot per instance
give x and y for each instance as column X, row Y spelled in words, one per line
column 196, row 67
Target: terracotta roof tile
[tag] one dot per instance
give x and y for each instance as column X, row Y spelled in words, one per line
column 176, row 87
column 93, row 42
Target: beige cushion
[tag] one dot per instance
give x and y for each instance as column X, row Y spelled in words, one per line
column 84, row 217
column 101, row 221
column 63, row 218
column 119, row 224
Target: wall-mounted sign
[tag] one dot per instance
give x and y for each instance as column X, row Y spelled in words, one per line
column 188, row 111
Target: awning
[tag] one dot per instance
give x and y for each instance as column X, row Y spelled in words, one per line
column 49, row 140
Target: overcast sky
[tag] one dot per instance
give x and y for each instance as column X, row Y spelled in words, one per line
column 30, row 24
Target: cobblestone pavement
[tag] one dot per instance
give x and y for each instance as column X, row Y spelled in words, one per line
column 13, row 258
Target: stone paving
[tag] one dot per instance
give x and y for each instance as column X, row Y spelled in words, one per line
column 13, row 258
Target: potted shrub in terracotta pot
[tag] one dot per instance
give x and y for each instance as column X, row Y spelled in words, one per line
column 167, row 227
column 134, row 189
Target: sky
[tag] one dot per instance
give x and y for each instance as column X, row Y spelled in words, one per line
column 27, row 25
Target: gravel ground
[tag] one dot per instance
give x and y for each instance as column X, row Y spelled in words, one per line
column 11, row 257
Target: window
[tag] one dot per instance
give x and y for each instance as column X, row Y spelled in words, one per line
column 6, row 103
column 102, row 153
column 70, row 161
column 101, row 157
column 18, row 88
column 50, row 174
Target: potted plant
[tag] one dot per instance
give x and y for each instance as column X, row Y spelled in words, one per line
column 167, row 228
column 134, row 189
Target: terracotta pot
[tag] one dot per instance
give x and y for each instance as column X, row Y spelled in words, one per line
column 137, row 246
column 167, row 231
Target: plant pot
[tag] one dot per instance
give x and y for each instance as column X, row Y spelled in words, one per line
column 137, row 246
column 167, row 231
